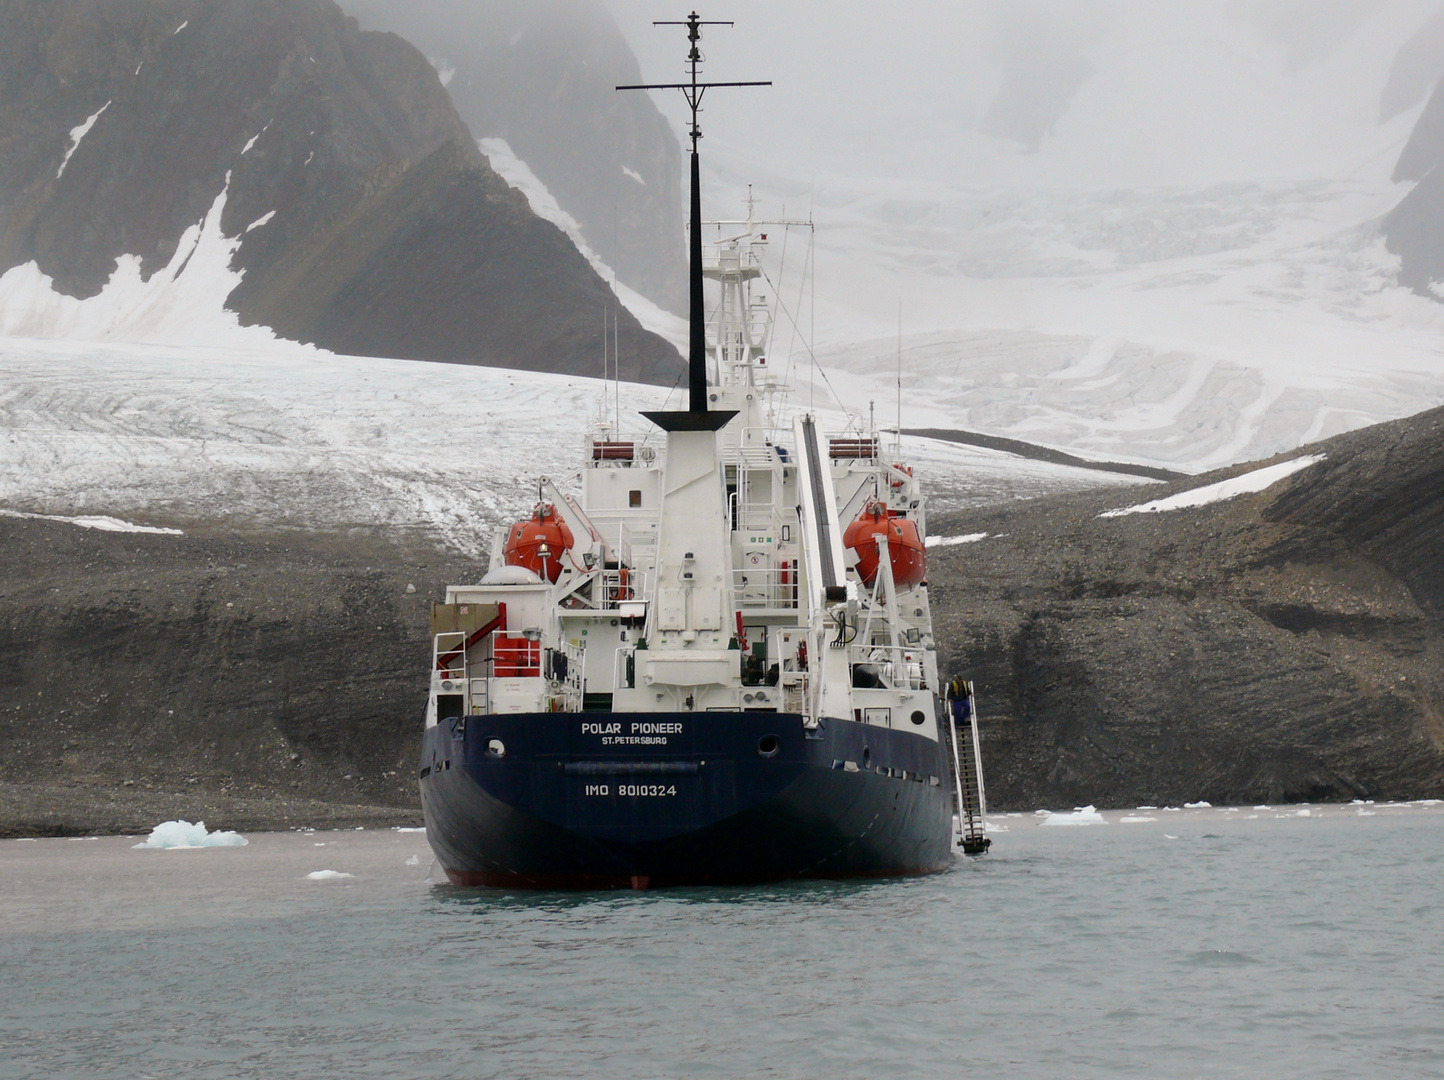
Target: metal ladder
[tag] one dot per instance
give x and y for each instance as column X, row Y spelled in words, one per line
column 972, row 798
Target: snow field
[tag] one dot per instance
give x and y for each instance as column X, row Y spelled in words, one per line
column 1247, row 484
column 163, row 435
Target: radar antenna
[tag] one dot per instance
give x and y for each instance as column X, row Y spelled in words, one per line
column 693, row 91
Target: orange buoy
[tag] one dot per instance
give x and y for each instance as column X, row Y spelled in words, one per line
column 539, row 544
column 905, row 546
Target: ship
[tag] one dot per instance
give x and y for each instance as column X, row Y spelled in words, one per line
column 712, row 662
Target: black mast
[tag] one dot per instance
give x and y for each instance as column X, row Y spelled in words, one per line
column 693, row 91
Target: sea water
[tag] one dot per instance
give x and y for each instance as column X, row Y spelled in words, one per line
column 1249, row 942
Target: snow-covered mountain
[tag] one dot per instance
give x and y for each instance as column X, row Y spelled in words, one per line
column 541, row 77
column 1125, row 228
column 178, row 170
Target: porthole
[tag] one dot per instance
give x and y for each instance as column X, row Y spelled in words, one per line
column 495, row 748
column 768, row 745
column 918, row 717
column 446, row 684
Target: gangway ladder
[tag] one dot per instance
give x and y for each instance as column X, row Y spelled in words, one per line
column 972, row 798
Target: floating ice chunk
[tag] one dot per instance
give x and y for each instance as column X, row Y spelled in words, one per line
column 177, row 835
column 952, row 541
column 328, row 875
column 995, row 826
column 1169, row 836
column 1145, row 808
column 1083, row 815
column 1248, row 484
column 78, row 132
column 1134, row 819
column 179, row 28
column 1198, row 805
column 410, row 828
column 413, row 861
column 1305, row 812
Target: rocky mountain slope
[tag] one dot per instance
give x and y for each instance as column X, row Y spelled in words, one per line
column 542, row 75
column 208, row 676
column 1286, row 645
column 1414, row 230
column 363, row 217
column 1282, row 645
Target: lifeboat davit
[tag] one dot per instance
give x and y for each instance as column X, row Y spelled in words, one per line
column 904, row 545
column 539, row 544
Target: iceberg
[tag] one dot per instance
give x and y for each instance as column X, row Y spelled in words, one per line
column 1083, row 815
column 178, row 835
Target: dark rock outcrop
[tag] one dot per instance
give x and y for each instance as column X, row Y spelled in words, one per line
column 1417, row 66
column 542, row 74
column 1287, row 645
column 1414, row 230
column 389, row 233
column 261, row 677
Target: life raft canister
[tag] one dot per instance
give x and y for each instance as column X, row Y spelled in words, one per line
column 539, row 544
column 905, row 547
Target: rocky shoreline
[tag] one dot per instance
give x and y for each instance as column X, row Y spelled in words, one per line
column 1280, row 646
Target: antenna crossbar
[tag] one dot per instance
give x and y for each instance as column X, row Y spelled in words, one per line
column 691, row 86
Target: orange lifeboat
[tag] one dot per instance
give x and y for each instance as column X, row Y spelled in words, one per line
column 539, row 544
column 905, row 546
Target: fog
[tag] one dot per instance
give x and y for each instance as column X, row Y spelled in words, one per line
column 1054, row 94
column 1141, row 227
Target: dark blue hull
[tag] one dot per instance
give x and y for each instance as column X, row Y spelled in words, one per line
column 609, row 800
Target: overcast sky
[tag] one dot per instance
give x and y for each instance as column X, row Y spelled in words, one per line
column 1045, row 93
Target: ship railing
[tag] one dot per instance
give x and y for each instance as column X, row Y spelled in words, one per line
column 794, row 685
column 621, row 586
column 448, row 655
column 891, row 667
column 572, row 676
column 515, row 656
column 770, row 587
column 753, row 517
column 754, row 449
column 562, row 667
